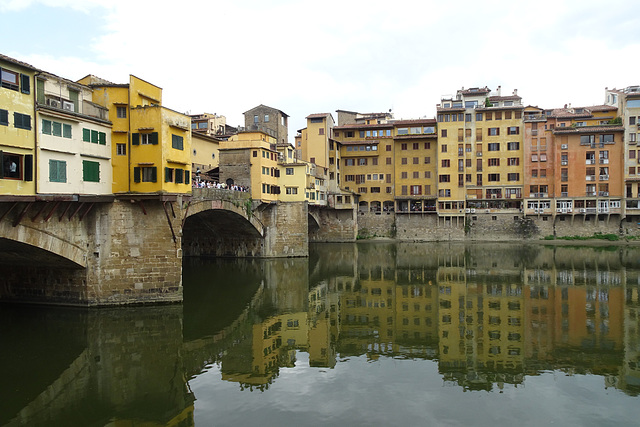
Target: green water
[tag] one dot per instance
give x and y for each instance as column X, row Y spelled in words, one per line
column 357, row 334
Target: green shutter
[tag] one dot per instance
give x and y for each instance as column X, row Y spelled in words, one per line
column 154, row 174
column 57, row 171
column 136, row 174
column 4, row 117
column 40, row 92
column 187, row 179
column 28, row 167
column 102, row 138
column 167, row 175
column 73, row 97
column 86, row 135
column 94, row 136
column 25, row 83
column 178, row 176
column 46, row 127
column 1, row 163
column 135, row 140
column 90, row 171
column 154, row 138
column 66, row 130
column 57, row 128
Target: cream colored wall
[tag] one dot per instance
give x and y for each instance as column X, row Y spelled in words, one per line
column 73, row 151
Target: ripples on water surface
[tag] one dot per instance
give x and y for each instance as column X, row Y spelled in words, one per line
column 357, row 334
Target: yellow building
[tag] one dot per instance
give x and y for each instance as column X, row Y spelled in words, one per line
column 250, row 159
column 205, row 153
column 415, row 145
column 17, row 135
column 480, row 152
column 151, row 144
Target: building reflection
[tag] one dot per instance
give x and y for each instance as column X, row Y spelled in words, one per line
column 488, row 315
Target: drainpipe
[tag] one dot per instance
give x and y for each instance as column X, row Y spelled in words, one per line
column 128, row 135
column 34, row 166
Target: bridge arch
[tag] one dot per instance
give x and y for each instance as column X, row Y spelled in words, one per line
column 23, row 239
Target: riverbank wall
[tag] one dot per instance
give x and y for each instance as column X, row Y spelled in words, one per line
column 493, row 226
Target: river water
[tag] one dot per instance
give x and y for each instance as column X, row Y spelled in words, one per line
column 363, row 334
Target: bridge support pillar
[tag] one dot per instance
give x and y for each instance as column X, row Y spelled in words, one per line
column 286, row 229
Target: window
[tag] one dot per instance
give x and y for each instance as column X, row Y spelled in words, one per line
column 444, row 178
column 94, row 136
column 4, row 117
column 266, row 118
column 443, row 133
column 416, row 174
column 443, row 148
column 513, row 161
column 403, row 160
column 12, row 166
column 22, row 121
column 427, row 160
column 493, row 177
column 416, row 160
column 291, row 190
column 494, row 162
column 632, row 120
column 168, row 174
column 121, row 112
column 90, row 171
column 144, row 138
column 403, row 146
column 493, row 146
column 493, row 131
column 606, row 138
column 513, row 130
column 289, row 171
column 446, row 163
column 632, row 137
column 57, row 171
column 177, row 142
column 513, row 177
column 498, row 115
column 255, row 118
column 321, row 131
column 478, row 117
column 121, row 149
column 9, row 79
column 145, row 174
column 512, row 146
column 403, row 175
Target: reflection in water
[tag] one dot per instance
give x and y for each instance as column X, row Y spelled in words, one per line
column 485, row 315
column 488, row 314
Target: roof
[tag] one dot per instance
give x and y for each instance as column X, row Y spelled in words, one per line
column 363, row 125
column 505, row 98
column 474, row 90
column 16, row 62
column 266, row 106
column 414, row 122
column 588, row 129
column 317, row 115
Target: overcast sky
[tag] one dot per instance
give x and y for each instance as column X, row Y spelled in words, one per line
column 306, row 57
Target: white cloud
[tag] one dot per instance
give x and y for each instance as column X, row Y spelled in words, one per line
column 301, row 57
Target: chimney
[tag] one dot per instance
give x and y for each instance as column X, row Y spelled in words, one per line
column 499, row 90
column 515, row 92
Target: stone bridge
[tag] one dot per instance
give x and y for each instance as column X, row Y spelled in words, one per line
column 128, row 249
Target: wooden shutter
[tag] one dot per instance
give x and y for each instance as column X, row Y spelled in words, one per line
column 167, row 174
column 154, row 173
column 66, row 130
column 186, row 176
column 25, row 83
column 40, row 92
column 136, row 174
column 102, row 138
column 86, row 135
column 178, row 176
column 28, row 167
column 1, row 163
column 56, row 128
column 94, row 136
column 46, row 127
column 135, row 140
column 153, row 137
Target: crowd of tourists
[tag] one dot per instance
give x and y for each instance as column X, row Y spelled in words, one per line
column 219, row 185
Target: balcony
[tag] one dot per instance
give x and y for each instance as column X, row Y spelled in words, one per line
column 590, row 162
column 603, row 193
column 590, row 193
column 604, row 161
column 590, row 177
column 603, row 177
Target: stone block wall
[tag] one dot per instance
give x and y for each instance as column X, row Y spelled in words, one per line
column 335, row 225
column 586, row 225
column 286, row 229
column 381, row 224
column 429, row 227
column 135, row 259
